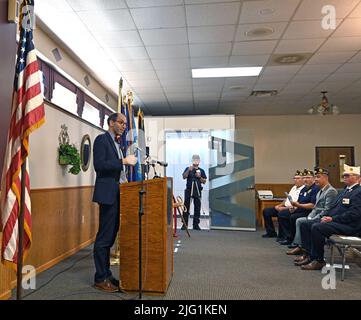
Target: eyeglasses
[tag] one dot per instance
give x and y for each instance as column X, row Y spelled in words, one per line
column 122, row 123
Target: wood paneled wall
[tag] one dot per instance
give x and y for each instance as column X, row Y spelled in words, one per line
column 5, row 279
column 64, row 221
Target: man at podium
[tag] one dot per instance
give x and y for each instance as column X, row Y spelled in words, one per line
column 109, row 165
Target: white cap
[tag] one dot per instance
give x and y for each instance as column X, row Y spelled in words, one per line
column 351, row 170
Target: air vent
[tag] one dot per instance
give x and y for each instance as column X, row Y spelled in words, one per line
column 264, row 93
column 87, row 81
column 56, row 54
column 236, row 88
column 289, row 59
column 260, row 32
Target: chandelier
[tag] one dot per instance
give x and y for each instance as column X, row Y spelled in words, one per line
column 324, row 107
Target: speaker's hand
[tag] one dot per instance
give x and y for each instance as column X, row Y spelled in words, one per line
column 130, row 160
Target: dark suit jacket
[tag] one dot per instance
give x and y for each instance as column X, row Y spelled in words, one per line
column 107, row 167
column 347, row 211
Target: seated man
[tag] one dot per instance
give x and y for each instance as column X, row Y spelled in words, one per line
column 325, row 199
column 343, row 218
column 268, row 213
column 301, row 208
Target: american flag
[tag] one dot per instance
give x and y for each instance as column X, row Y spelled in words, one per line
column 27, row 114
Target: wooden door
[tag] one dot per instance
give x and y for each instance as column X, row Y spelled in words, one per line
column 332, row 158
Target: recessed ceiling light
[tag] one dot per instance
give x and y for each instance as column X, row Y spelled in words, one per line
column 260, row 32
column 226, row 72
column 267, row 11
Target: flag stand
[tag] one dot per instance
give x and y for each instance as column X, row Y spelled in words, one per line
column 21, row 235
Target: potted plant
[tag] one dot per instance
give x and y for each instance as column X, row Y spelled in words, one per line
column 68, row 154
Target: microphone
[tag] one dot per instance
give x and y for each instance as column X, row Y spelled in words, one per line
column 161, row 163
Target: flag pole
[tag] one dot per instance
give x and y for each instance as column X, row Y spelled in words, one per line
column 19, row 278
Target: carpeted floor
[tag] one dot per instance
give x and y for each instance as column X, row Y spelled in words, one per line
column 209, row 265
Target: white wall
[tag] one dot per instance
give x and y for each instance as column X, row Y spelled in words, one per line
column 286, row 143
column 45, row 171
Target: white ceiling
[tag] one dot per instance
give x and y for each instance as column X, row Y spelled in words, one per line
column 153, row 44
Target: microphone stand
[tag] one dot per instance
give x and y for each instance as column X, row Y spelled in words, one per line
column 140, row 251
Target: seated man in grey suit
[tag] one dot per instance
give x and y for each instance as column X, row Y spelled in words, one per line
column 343, row 218
column 325, row 199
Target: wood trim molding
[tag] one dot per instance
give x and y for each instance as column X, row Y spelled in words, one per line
column 60, row 189
column 6, row 295
column 55, row 261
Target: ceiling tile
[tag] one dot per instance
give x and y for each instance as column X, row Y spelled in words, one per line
column 319, row 68
column 281, row 70
column 341, row 44
column 144, row 83
column 159, row 17
column 130, row 53
column 312, row 9
column 178, row 89
column 118, row 39
column 170, row 64
column 343, row 77
column 170, row 83
column 209, row 50
column 135, row 65
column 311, row 78
column 349, row 28
column 164, row 36
column 211, row 34
column 298, row 46
column 331, row 57
column 245, row 61
column 351, row 68
column 208, row 82
column 142, row 75
column 174, row 74
column 307, row 30
column 243, row 29
column 152, row 3
column 95, row 5
column 356, row 58
column 268, row 11
column 254, row 47
column 168, row 52
column 276, row 78
column 356, row 13
column 209, row 14
column 108, row 20
column 209, row 62
column 240, row 81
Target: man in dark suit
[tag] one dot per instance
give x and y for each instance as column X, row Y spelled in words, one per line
column 109, row 165
column 343, row 218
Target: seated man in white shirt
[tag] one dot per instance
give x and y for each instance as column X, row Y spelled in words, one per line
column 269, row 213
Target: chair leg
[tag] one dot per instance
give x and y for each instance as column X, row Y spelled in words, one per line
column 343, row 262
column 332, row 255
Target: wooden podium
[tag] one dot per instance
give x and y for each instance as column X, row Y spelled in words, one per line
column 157, row 235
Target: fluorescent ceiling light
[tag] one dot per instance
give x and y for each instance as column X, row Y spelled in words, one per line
column 226, row 72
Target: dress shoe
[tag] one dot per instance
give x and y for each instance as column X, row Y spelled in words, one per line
column 314, row 265
column 294, row 251
column 307, row 260
column 196, row 227
column 292, row 246
column 285, row 242
column 269, row 235
column 280, row 239
column 106, row 286
column 114, row 281
column 299, row 258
